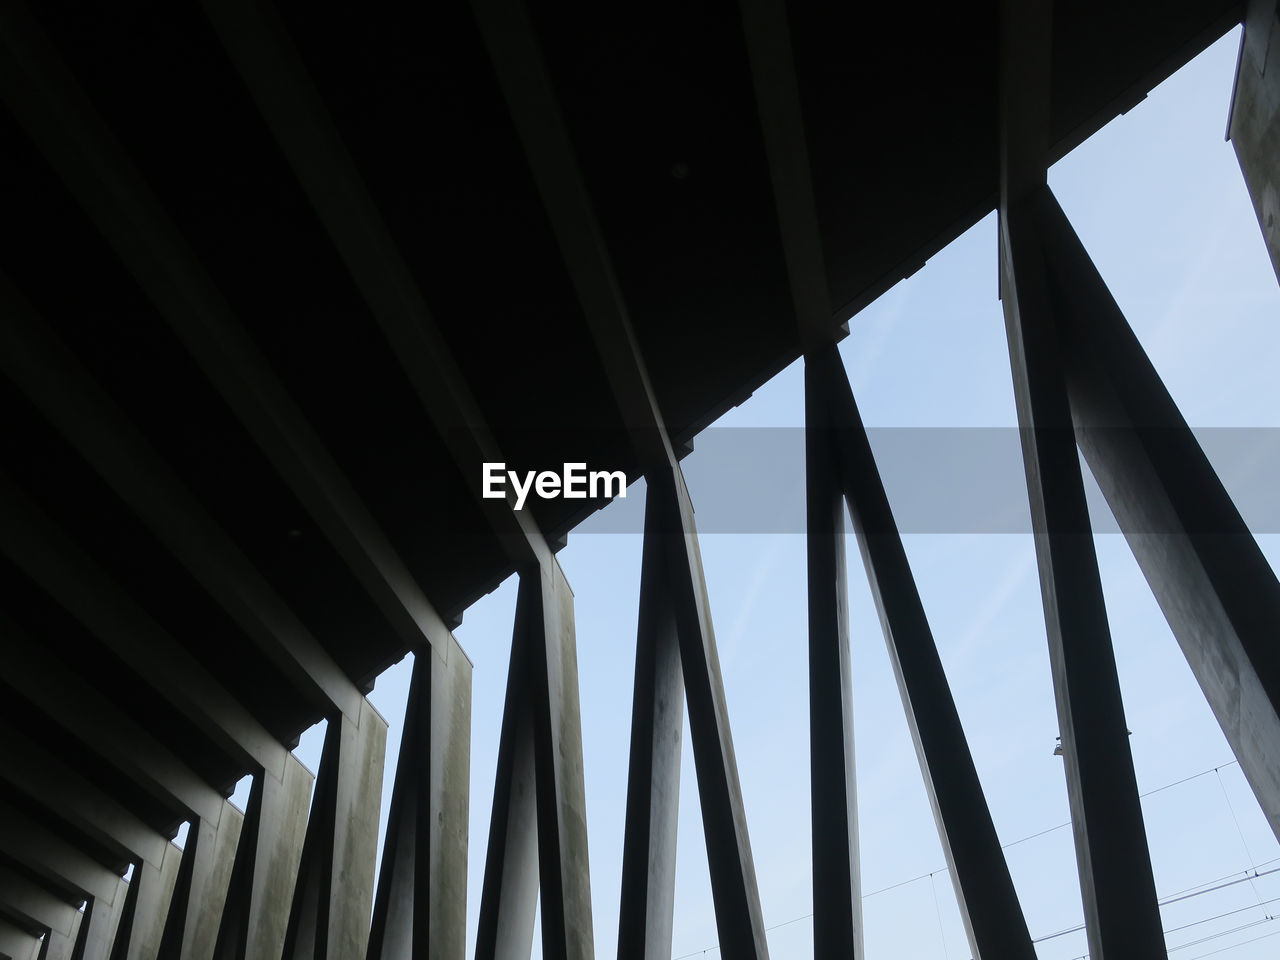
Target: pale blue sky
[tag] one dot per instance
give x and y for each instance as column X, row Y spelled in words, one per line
column 1158, row 200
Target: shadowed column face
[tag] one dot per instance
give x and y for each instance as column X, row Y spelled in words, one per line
column 1254, row 127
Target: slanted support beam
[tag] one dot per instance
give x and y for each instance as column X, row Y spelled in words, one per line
column 1215, row 586
column 200, row 892
column 255, row 916
column 1117, row 888
column 653, row 780
column 1122, row 918
column 989, row 908
column 58, row 946
column 421, row 905
column 538, row 832
column 329, row 919
column 1254, row 126
column 151, row 891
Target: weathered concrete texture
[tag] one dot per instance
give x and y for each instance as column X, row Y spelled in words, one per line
column 332, row 900
column 102, row 917
column 154, row 892
column 60, row 946
column 1117, row 889
column 1255, row 118
column 195, row 911
column 1205, row 568
column 255, row 917
column 421, row 904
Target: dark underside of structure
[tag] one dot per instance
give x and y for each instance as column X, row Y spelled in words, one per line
column 275, row 280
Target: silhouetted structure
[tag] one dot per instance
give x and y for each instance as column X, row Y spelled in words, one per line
column 277, row 280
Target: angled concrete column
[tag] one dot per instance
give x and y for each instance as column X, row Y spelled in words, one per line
column 200, row 893
column 146, row 907
column 989, row 907
column 255, row 917
column 101, row 921
column 1216, row 589
column 58, row 946
column 421, row 904
column 833, row 790
column 329, row 917
column 1117, row 889
column 1255, row 118
column 653, row 779
column 739, row 920
column 538, row 832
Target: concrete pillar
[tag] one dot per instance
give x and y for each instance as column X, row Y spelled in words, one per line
column 421, row 903
column 59, row 946
column 195, row 910
column 1116, row 884
column 989, row 907
column 255, row 917
column 1214, row 584
column 653, row 779
column 739, row 920
column 833, row 793
column 538, row 832
column 101, row 921
column 1255, row 118
column 150, row 892
column 332, row 900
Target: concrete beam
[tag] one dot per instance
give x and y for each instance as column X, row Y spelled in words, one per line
column 30, row 769
column 293, row 109
column 59, row 386
column 1254, row 126
column 539, row 796
column 1117, row 889
column 42, row 549
column 1216, row 588
column 34, row 904
column 80, row 708
column 36, row 848
column 989, row 908
column 334, row 894
column 647, row 906
column 39, row 88
column 17, row 944
column 255, row 918
column 421, row 904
